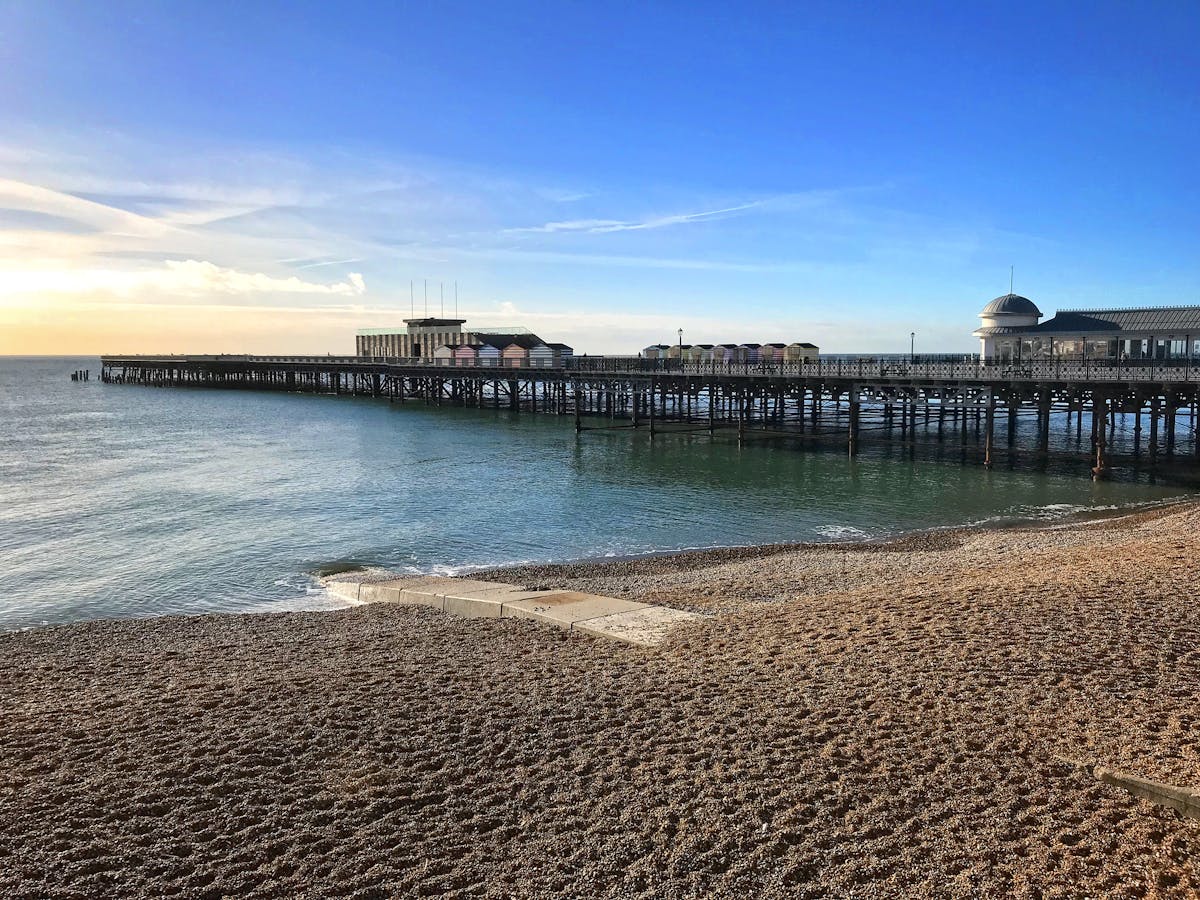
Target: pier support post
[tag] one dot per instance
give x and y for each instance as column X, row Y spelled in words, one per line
column 1154, row 404
column 653, row 402
column 989, row 433
column 1044, row 401
column 1100, row 428
column 1169, row 422
column 852, row 440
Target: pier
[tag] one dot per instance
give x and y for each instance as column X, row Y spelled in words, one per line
column 849, row 402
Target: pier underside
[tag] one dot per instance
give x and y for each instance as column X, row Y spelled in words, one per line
column 990, row 413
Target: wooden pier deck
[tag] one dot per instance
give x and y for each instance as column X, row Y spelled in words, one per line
column 843, row 400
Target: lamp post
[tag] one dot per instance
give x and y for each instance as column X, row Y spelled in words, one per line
column 680, row 333
column 912, row 347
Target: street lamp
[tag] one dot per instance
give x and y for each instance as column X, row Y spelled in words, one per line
column 912, row 347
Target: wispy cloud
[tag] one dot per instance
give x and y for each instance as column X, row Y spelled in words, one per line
column 605, row 226
column 319, row 263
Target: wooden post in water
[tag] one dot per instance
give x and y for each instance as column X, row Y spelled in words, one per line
column 989, row 429
column 1044, row 400
column 1100, row 418
column 1169, row 421
column 1137, row 428
column 653, row 403
column 1154, row 404
column 852, row 440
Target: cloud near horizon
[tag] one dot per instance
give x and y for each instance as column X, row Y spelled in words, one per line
column 173, row 278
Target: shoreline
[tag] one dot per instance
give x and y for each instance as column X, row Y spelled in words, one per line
column 907, row 718
column 933, row 537
column 920, row 538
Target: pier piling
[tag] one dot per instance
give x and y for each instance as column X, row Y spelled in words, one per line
column 806, row 403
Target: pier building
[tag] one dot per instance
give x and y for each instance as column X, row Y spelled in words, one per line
column 738, row 354
column 446, row 342
column 419, row 340
column 1010, row 333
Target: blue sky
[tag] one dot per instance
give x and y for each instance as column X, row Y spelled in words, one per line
column 270, row 176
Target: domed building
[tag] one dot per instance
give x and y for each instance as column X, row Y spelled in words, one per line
column 1010, row 332
column 1001, row 324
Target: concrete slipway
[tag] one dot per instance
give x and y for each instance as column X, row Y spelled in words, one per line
column 622, row 620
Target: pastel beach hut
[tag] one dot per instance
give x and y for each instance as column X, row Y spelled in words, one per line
column 702, row 352
column 773, row 352
column 753, row 352
column 726, row 353
column 492, row 346
column 514, row 356
column 678, row 351
column 542, row 356
column 514, row 352
column 801, row 351
column 562, row 351
column 465, row 355
column 444, row 355
column 488, row 354
column 655, row 351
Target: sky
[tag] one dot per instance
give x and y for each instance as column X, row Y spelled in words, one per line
column 269, row 177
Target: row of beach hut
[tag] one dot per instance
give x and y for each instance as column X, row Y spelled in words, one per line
column 508, row 350
column 735, row 353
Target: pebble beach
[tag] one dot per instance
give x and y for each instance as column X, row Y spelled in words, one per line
column 916, row 718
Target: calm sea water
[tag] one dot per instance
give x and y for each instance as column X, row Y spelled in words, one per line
column 128, row 501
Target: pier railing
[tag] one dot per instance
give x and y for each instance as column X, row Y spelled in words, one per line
column 889, row 368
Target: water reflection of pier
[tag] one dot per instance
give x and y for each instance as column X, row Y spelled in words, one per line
column 852, row 401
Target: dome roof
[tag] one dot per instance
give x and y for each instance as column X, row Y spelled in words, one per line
column 1011, row 305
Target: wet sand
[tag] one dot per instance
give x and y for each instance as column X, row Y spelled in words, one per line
column 913, row 719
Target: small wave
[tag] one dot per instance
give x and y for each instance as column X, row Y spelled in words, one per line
column 446, row 570
column 841, row 532
column 1050, row 512
column 315, row 598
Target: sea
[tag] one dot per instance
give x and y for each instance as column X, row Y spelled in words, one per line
column 123, row 501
